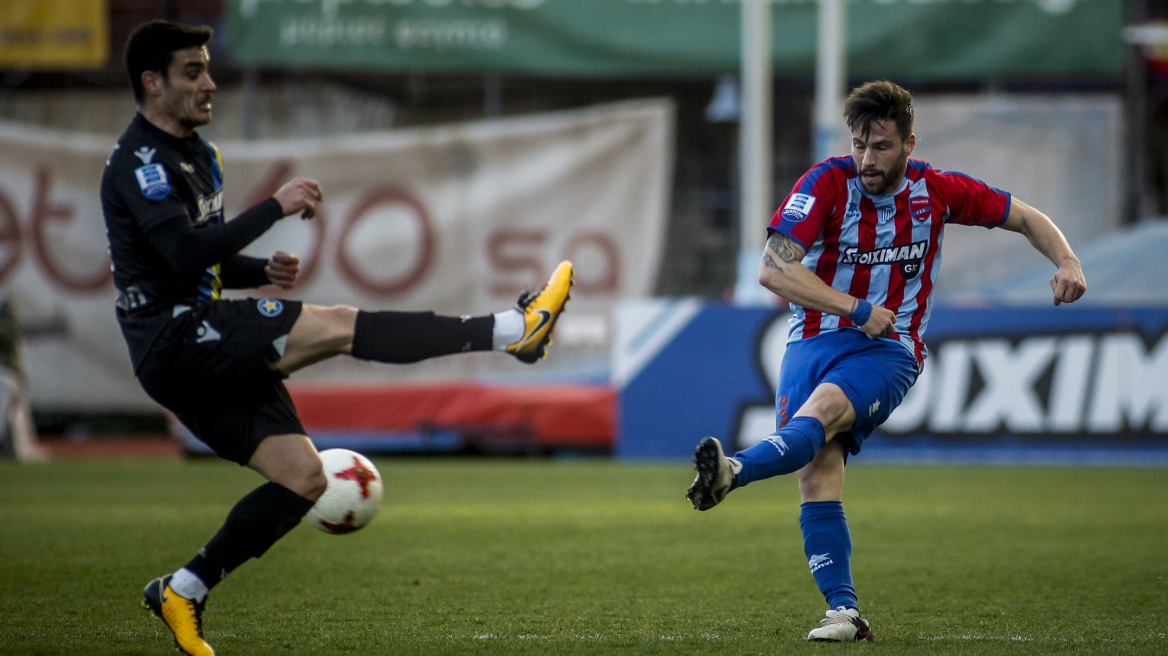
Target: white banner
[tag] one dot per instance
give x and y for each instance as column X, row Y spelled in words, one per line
column 457, row 219
column 1028, row 145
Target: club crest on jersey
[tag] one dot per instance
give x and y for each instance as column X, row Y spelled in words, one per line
column 798, row 206
column 152, row 180
column 270, row 307
column 919, row 208
column 908, row 257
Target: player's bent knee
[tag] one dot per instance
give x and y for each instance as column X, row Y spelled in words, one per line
column 310, row 478
column 328, row 322
column 319, row 333
column 291, row 461
column 831, row 407
column 314, row 485
column 307, row 480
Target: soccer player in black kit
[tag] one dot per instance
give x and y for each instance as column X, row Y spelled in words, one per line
column 217, row 364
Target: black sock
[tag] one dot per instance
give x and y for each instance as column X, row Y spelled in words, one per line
column 403, row 337
column 265, row 515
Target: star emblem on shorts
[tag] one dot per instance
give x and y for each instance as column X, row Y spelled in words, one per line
column 270, row 307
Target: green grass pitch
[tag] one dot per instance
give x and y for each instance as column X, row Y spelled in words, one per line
column 594, row 557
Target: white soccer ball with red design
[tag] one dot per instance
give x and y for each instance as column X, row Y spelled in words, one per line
column 353, row 495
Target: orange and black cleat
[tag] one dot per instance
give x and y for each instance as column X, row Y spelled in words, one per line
column 183, row 617
column 540, row 311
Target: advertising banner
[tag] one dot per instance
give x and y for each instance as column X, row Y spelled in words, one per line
column 918, row 39
column 53, row 34
column 1067, row 375
column 456, row 219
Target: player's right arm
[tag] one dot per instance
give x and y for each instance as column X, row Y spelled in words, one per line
column 190, row 249
column 784, row 275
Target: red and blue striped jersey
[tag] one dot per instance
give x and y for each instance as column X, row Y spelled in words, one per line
column 886, row 249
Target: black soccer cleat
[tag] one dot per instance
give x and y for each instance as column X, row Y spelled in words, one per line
column 715, row 476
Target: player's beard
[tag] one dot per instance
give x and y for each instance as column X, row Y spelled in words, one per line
column 889, row 179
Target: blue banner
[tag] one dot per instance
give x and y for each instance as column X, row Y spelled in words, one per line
column 1072, row 375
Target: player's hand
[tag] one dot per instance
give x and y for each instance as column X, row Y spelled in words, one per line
column 881, row 323
column 300, row 195
column 282, row 269
column 1068, row 283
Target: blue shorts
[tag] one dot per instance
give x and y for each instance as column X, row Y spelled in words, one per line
column 875, row 374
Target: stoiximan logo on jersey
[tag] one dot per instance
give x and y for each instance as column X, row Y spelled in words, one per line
column 908, row 256
column 270, row 307
column 153, row 181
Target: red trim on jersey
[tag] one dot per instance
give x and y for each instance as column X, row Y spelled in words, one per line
column 926, row 293
column 825, row 269
column 896, row 280
column 862, row 276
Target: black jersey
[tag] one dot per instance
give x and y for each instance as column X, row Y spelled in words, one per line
column 151, row 177
column 157, row 190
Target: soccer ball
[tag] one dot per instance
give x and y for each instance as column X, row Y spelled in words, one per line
column 353, row 495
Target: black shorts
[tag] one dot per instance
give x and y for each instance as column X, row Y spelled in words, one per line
column 213, row 367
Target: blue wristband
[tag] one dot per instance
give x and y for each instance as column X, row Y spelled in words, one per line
column 861, row 313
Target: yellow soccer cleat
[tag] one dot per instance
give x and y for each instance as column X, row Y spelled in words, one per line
column 540, row 312
column 183, row 617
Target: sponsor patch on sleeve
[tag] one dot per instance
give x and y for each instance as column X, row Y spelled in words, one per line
column 152, row 180
column 798, row 206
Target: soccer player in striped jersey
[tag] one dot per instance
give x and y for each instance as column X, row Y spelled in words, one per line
column 856, row 249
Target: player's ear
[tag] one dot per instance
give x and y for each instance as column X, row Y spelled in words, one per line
column 910, row 143
column 151, row 82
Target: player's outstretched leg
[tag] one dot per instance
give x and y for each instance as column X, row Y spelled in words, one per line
column 540, row 311
column 716, row 475
column 183, row 617
column 842, row 625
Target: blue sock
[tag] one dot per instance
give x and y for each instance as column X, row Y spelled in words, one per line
column 787, row 450
column 828, row 545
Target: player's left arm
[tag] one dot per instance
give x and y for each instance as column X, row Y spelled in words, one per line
column 282, row 268
column 1068, row 283
column 245, row 272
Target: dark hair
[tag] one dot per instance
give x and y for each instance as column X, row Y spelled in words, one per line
column 152, row 45
column 879, row 101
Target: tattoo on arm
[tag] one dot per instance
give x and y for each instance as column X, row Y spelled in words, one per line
column 788, row 250
column 769, row 262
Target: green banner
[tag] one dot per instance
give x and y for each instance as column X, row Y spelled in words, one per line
column 919, row 39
